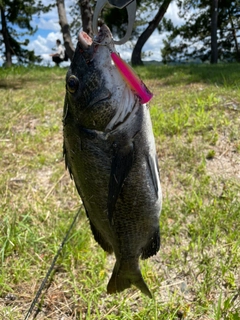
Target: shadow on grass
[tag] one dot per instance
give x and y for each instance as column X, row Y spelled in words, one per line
column 18, row 77
column 13, row 84
column 220, row 74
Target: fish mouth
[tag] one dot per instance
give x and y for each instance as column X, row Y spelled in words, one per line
column 89, row 45
column 85, row 42
column 104, row 36
column 85, row 46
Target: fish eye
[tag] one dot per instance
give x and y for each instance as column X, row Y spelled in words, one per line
column 72, row 84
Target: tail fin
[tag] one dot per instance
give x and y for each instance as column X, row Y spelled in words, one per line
column 126, row 273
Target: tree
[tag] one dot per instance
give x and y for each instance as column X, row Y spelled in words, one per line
column 117, row 21
column 65, row 28
column 6, row 38
column 136, row 55
column 229, row 30
column 16, row 16
column 84, row 7
column 214, row 19
column 87, row 16
column 211, row 30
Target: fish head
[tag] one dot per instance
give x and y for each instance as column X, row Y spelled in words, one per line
column 81, row 73
column 95, row 91
column 88, row 97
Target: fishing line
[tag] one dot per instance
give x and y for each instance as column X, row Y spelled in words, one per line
column 42, row 286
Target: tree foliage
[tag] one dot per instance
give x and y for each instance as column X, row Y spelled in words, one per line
column 16, row 16
column 193, row 38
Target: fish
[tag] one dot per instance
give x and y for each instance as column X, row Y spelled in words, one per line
column 110, row 152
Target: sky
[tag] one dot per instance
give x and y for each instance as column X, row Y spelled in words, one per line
column 44, row 40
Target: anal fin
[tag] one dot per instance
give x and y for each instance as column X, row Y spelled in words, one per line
column 100, row 239
column 152, row 246
column 106, row 246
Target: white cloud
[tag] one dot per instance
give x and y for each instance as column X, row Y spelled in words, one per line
column 52, row 37
column 39, row 45
column 44, row 45
column 125, row 53
column 172, row 13
column 50, row 24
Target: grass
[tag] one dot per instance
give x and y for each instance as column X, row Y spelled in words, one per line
column 195, row 114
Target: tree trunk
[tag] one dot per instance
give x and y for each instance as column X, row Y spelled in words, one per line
column 65, row 29
column 235, row 38
column 214, row 18
column 136, row 55
column 6, row 40
column 87, row 16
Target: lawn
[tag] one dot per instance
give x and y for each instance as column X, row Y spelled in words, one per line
column 196, row 275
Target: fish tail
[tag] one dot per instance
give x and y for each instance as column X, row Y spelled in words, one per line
column 126, row 273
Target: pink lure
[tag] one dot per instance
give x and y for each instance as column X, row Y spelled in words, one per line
column 132, row 79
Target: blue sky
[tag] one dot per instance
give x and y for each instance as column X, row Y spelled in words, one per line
column 43, row 41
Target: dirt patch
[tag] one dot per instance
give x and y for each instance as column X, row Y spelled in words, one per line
column 226, row 160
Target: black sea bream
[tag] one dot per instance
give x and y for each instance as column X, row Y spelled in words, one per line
column 110, row 152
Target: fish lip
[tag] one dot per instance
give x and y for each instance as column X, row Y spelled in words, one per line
column 88, row 46
column 85, row 46
column 104, row 36
column 84, row 40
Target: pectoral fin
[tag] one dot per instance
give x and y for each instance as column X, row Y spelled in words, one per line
column 121, row 165
column 154, row 172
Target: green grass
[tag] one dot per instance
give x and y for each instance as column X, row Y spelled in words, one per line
column 195, row 113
